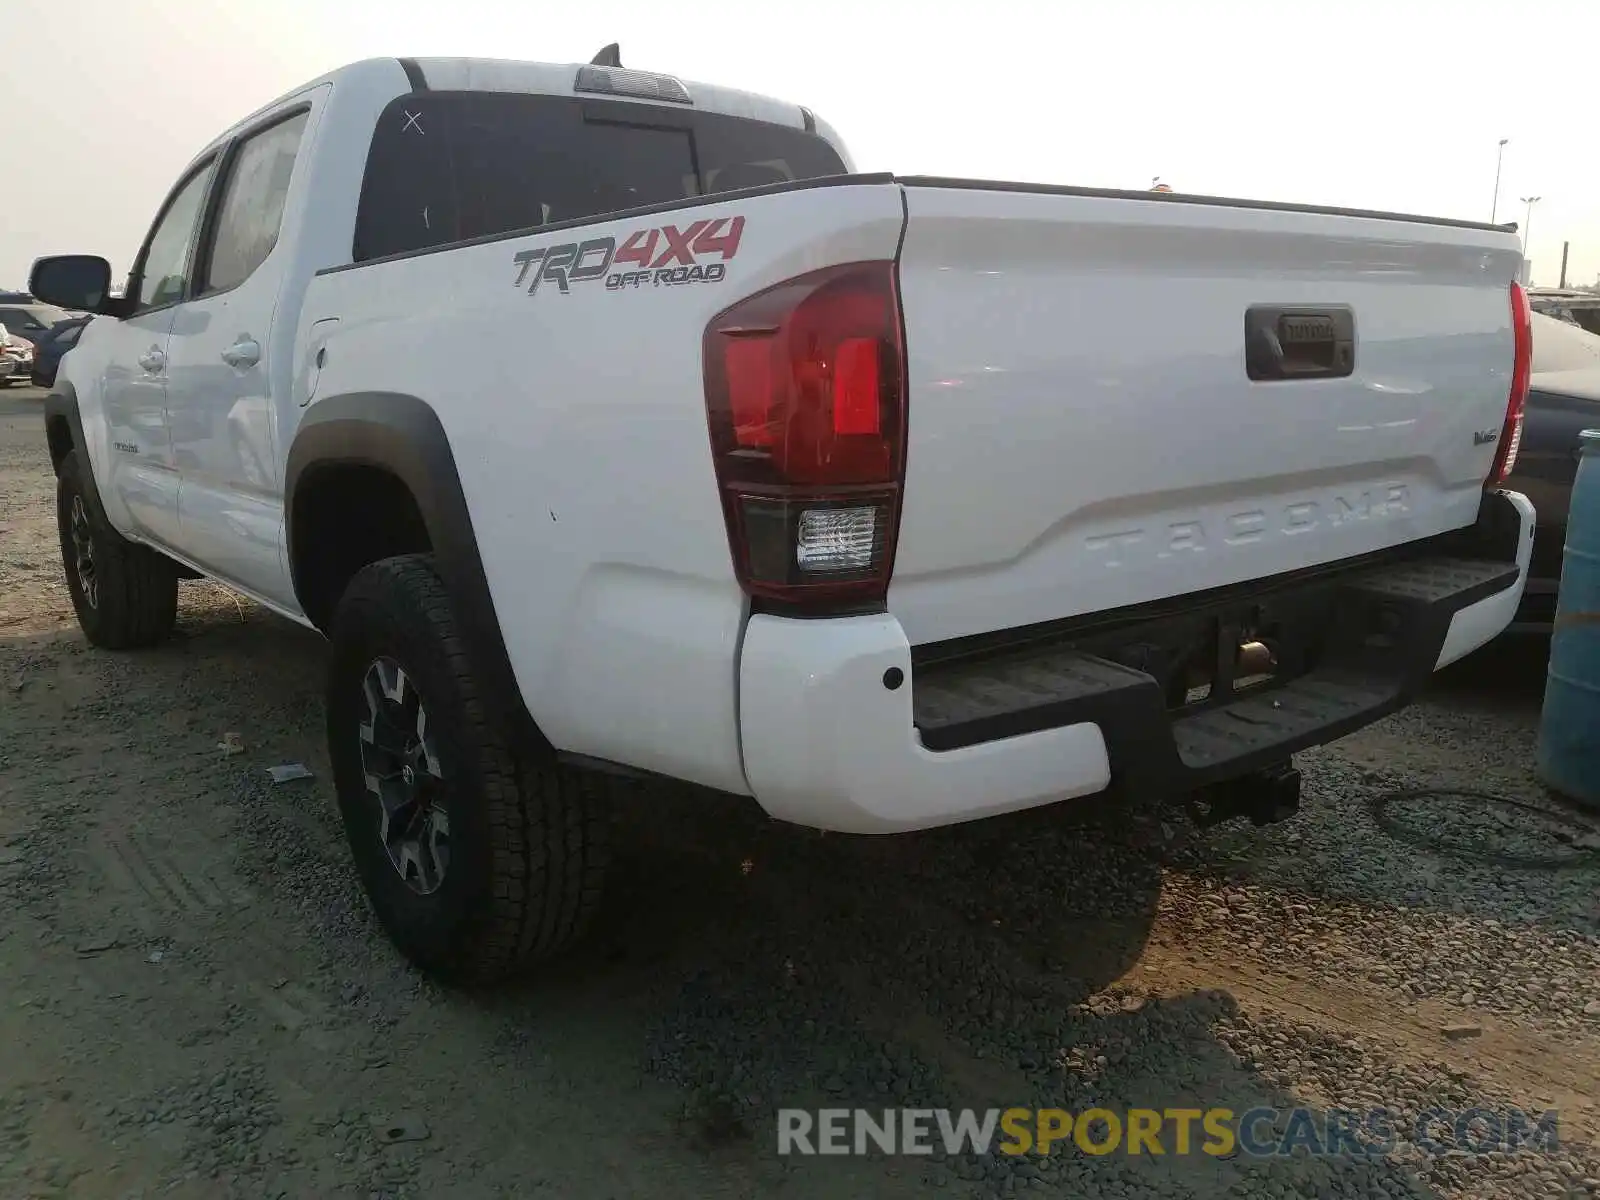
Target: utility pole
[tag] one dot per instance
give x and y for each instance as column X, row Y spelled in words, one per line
column 1500, row 154
column 1565, row 246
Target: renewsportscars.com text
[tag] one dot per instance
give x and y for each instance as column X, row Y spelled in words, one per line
column 1219, row 1132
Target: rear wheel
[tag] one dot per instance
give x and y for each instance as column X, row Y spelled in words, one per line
column 475, row 864
column 125, row 594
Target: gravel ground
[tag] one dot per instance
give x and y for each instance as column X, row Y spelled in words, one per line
column 196, row 1002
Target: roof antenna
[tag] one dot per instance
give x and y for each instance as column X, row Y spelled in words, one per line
column 609, row 56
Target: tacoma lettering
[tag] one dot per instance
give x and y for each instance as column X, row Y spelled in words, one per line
column 1197, row 534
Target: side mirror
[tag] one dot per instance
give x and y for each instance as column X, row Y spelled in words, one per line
column 72, row 281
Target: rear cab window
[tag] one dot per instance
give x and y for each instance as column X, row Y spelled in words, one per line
column 450, row 166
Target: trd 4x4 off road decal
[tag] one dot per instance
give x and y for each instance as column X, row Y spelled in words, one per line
column 664, row 256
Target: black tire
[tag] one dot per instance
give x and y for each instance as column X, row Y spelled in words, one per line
column 125, row 594
column 525, row 842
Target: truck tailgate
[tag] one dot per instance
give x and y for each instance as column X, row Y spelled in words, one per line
column 1084, row 430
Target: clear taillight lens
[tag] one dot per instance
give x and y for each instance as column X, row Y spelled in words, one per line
column 837, row 539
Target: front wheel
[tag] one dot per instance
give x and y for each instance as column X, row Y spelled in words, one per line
column 475, row 864
column 125, row 595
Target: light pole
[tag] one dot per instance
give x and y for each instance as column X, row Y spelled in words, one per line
column 1527, row 225
column 1498, row 157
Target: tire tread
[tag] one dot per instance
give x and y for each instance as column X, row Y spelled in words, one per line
column 138, row 599
column 547, row 834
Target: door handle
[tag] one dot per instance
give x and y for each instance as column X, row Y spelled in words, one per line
column 152, row 360
column 246, row 352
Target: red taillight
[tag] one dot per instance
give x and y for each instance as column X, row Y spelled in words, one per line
column 858, row 388
column 1505, row 458
column 805, row 392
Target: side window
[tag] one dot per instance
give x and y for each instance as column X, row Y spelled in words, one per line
column 253, row 196
column 164, row 274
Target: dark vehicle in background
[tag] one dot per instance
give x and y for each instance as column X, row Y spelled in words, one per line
column 47, row 351
column 32, row 320
column 1563, row 401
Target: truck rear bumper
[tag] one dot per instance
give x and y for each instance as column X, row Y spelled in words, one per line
column 843, row 730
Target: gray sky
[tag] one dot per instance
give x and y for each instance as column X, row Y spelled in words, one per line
column 1392, row 105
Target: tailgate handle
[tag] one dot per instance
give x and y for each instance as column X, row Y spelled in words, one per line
column 1299, row 343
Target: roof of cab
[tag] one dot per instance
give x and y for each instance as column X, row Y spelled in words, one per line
column 509, row 75
column 512, row 75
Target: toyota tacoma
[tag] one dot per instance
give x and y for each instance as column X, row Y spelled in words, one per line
column 889, row 502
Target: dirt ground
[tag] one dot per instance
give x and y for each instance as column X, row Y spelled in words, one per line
column 194, row 1001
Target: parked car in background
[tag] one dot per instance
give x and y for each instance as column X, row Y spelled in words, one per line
column 1571, row 305
column 1563, row 401
column 16, row 358
column 32, row 320
column 47, row 351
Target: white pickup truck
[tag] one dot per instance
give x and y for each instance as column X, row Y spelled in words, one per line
column 605, row 422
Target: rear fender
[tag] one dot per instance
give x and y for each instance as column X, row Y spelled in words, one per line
column 402, row 434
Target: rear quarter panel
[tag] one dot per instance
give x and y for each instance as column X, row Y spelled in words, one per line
column 577, row 420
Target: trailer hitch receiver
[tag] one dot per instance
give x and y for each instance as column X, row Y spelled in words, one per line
column 1266, row 796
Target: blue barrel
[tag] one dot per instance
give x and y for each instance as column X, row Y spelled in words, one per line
column 1569, row 726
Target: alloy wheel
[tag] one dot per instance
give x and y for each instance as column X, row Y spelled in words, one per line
column 404, row 778
column 83, row 553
